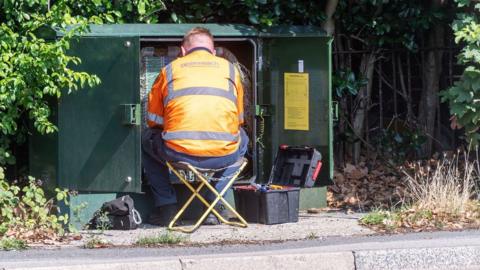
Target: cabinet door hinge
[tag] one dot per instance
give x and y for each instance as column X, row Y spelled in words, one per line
column 132, row 114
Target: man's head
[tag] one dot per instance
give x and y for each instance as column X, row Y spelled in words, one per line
column 197, row 37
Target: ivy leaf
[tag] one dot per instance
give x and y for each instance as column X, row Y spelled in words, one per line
column 476, row 85
column 141, row 7
column 253, row 18
column 174, row 17
column 464, row 96
column 457, row 109
column 398, row 138
column 463, row 3
column 277, row 10
column 109, row 19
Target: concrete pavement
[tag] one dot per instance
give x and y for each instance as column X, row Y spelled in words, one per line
column 308, row 226
column 440, row 250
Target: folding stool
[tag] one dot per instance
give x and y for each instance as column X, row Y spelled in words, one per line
column 204, row 176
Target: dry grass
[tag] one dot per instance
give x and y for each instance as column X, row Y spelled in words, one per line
column 446, row 188
column 441, row 195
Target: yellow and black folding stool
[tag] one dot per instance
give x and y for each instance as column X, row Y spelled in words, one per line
column 203, row 176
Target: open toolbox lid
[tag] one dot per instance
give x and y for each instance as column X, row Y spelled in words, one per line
column 297, row 166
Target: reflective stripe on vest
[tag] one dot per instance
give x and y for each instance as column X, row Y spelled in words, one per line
column 241, row 117
column 210, row 91
column 155, row 118
column 200, row 135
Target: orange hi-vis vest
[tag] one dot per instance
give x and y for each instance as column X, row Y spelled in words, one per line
column 198, row 101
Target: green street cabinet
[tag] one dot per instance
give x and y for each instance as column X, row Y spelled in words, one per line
column 97, row 149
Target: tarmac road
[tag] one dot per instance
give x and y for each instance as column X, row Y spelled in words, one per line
column 435, row 250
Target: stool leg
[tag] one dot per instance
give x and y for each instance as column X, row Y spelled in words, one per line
column 219, row 196
column 210, row 206
column 195, row 193
column 242, row 223
column 184, row 207
column 186, row 204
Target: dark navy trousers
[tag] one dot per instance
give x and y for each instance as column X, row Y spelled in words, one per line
column 155, row 152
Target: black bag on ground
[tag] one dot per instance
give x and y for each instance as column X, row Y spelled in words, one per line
column 118, row 214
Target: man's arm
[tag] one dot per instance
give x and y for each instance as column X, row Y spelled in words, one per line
column 239, row 86
column 155, row 101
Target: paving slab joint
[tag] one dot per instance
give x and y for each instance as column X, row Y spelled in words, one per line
column 182, row 264
column 354, row 260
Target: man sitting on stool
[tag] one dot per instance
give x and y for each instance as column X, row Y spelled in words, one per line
column 195, row 110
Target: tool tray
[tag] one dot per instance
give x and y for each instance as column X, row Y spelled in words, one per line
column 297, row 166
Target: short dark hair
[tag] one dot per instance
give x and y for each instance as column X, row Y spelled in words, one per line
column 187, row 39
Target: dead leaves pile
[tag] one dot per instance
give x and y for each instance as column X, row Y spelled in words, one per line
column 435, row 201
column 358, row 187
column 46, row 236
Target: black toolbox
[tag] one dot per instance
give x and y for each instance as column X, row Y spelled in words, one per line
column 267, row 207
column 294, row 167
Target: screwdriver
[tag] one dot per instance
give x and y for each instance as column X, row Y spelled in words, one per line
column 276, row 187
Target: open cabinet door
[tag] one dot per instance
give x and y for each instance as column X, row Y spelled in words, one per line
column 99, row 128
column 295, row 98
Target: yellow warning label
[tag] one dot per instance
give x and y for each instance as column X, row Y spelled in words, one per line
column 296, row 101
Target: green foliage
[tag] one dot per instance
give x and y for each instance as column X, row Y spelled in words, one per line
column 388, row 220
column 464, row 96
column 107, row 11
column 32, row 70
column 387, row 22
column 345, row 82
column 166, row 238
column 259, row 13
column 77, row 211
column 26, row 209
column 103, row 222
column 12, row 244
column 96, row 242
column 399, row 144
column 376, row 217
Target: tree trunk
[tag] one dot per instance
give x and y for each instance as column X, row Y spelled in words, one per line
column 431, row 77
column 362, row 101
column 340, row 62
column 329, row 23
